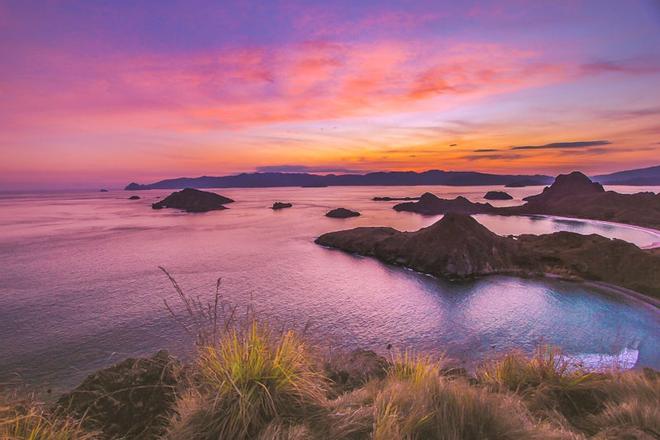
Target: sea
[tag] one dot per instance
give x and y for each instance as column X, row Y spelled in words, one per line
column 81, row 286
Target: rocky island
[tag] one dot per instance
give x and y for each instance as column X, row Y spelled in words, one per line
column 134, row 198
column 575, row 195
column 497, row 195
column 342, row 213
column 571, row 195
column 193, row 200
column 457, row 246
column 281, row 205
column 430, row 204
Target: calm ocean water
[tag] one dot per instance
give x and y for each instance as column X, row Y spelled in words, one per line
column 80, row 287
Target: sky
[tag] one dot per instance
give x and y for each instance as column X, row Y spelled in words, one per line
column 102, row 93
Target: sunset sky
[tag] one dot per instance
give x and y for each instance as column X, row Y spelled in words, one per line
column 107, row 92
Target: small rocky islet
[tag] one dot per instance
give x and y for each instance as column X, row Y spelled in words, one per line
column 193, row 200
column 342, row 213
column 281, row 205
column 393, row 199
column 430, row 204
column 497, row 195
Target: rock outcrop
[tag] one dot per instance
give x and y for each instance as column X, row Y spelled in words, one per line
column 342, row 213
column 132, row 399
column 430, row 204
column 457, row 246
column 134, row 198
column 575, row 195
column 497, row 195
column 281, row 205
column 193, row 200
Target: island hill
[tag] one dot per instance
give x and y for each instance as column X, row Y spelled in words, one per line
column 571, row 195
column 193, row 200
column 457, row 246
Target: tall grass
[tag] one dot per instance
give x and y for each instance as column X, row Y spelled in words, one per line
column 250, row 379
column 547, row 381
column 412, row 367
column 416, row 402
column 30, row 421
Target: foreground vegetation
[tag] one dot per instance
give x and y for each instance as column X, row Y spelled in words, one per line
column 249, row 381
column 258, row 384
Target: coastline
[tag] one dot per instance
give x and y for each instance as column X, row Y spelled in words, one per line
column 652, row 231
column 614, row 290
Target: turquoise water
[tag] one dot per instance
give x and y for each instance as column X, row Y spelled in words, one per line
column 80, row 286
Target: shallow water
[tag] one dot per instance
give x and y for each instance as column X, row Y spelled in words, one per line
column 80, row 288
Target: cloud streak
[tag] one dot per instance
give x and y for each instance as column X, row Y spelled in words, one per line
column 305, row 169
column 562, row 145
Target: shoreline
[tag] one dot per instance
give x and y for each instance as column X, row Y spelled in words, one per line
column 648, row 230
column 612, row 289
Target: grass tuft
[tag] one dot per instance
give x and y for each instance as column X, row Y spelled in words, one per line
column 29, row 421
column 547, row 381
column 248, row 380
column 438, row 408
column 415, row 368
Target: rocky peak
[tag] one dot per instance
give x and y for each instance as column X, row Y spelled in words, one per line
column 573, row 184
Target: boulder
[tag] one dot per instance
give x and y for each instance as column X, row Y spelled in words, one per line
column 134, row 198
column 132, row 399
column 193, row 200
column 342, row 213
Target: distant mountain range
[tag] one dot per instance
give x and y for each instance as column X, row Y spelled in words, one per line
column 646, row 176
column 642, row 176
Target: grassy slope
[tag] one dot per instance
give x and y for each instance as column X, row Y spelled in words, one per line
column 258, row 384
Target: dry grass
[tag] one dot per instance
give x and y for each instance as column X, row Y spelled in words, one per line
column 548, row 382
column 417, row 402
column 415, row 368
column 248, row 380
column 28, row 420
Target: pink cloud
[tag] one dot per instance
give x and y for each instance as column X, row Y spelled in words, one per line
column 248, row 86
